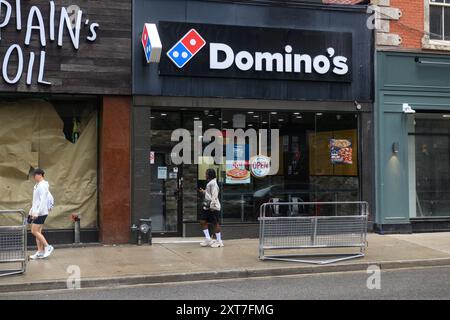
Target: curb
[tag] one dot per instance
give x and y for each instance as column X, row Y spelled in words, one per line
column 220, row 275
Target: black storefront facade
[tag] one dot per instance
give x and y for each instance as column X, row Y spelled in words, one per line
column 305, row 70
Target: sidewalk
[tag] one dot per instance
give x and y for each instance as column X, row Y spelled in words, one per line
column 172, row 260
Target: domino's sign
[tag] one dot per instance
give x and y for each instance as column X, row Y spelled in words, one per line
column 206, row 50
column 151, row 43
column 185, row 49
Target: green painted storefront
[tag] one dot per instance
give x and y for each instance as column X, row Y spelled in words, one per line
column 412, row 150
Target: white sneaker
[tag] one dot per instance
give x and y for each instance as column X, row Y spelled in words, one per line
column 48, row 251
column 37, row 255
column 207, row 242
column 217, row 244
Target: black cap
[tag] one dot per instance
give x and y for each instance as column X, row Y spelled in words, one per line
column 38, row 171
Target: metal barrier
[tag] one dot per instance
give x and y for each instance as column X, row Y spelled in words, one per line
column 311, row 230
column 13, row 243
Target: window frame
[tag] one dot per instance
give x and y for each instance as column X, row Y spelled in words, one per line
column 427, row 42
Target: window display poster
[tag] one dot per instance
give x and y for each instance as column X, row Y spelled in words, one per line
column 341, row 151
column 162, row 173
column 237, row 171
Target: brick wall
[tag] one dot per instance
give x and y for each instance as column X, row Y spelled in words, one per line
column 410, row 27
column 115, row 175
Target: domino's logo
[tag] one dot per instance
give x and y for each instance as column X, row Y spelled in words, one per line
column 186, row 48
column 151, row 43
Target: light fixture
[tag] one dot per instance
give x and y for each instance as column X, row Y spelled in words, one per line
column 196, row 118
column 250, row 125
column 250, row 112
column 299, row 117
column 255, row 116
column 211, row 124
column 431, row 62
column 296, row 113
column 273, row 112
column 395, row 148
column 446, row 116
column 163, row 114
column 152, row 117
column 264, row 122
column 280, row 119
column 408, row 109
column 319, row 114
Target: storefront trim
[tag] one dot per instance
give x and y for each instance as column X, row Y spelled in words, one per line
column 401, row 78
column 186, row 102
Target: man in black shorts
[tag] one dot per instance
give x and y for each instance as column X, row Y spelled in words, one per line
column 210, row 211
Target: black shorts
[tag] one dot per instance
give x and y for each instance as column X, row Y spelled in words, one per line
column 39, row 220
column 210, row 216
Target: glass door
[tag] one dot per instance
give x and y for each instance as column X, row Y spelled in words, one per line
column 166, row 195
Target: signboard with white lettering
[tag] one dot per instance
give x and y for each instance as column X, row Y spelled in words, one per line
column 65, row 47
column 208, row 50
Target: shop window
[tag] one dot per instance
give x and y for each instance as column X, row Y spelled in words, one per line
column 318, row 161
column 429, row 156
column 59, row 136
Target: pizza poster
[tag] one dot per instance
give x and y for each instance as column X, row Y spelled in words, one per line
column 237, row 170
column 341, row 151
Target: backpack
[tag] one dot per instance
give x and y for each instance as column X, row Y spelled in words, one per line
column 50, row 201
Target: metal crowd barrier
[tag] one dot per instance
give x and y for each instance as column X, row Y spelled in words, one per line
column 315, row 228
column 13, row 243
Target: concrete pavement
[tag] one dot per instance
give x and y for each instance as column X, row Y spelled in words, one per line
column 173, row 260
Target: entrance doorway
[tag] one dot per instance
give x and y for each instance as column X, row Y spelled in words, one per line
column 166, row 193
column 429, row 165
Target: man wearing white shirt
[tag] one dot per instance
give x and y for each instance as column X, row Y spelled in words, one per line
column 39, row 213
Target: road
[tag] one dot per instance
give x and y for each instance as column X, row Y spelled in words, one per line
column 425, row 283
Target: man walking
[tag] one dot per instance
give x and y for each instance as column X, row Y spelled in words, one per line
column 39, row 213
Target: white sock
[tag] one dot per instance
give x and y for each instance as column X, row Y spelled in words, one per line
column 218, row 237
column 206, row 232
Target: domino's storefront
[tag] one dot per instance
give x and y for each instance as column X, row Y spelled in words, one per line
column 302, row 71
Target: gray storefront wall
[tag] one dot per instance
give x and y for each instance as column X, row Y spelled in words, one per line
column 423, row 82
column 151, row 89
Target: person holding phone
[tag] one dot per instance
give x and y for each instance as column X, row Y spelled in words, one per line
column 210, row 211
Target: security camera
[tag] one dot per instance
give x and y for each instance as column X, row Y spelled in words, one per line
column 357, row 105
column 408, row 109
